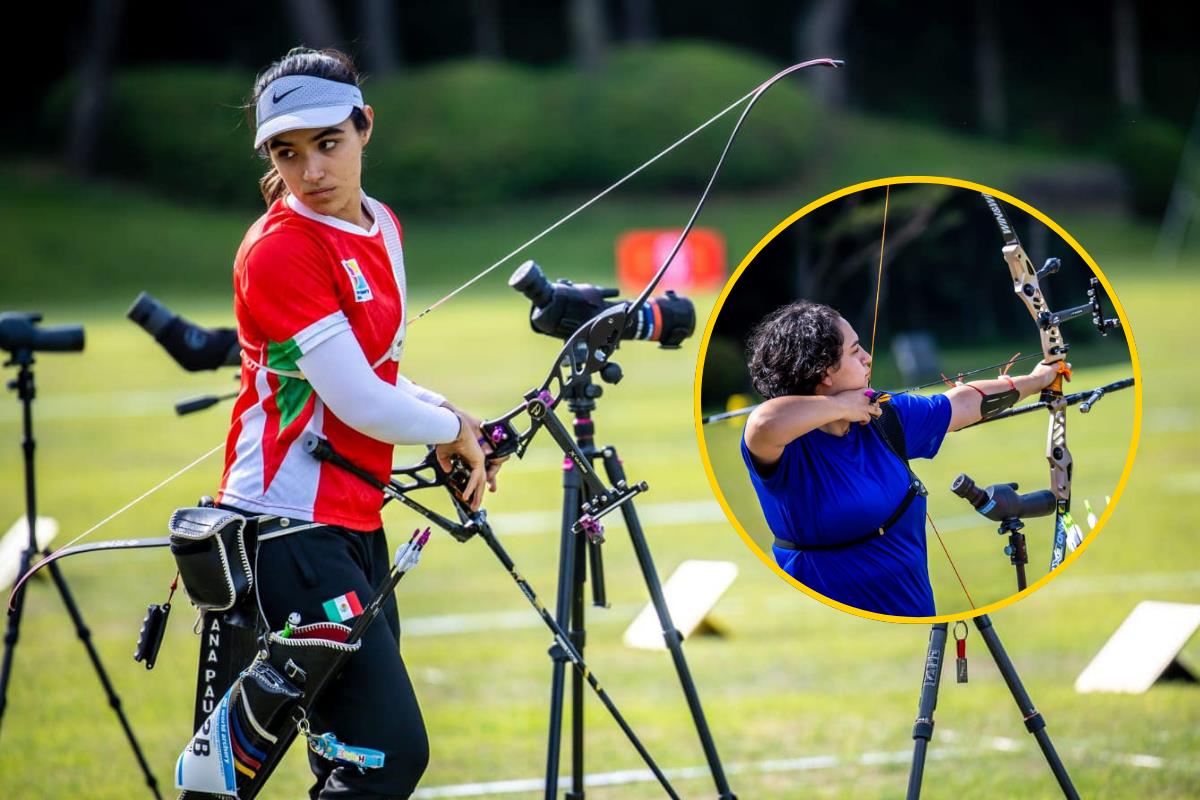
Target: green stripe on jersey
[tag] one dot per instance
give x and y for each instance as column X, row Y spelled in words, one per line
column 283, row 355
column 293, row 393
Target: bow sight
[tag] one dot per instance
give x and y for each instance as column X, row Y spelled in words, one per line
column 1047, row 319
column 559, row 308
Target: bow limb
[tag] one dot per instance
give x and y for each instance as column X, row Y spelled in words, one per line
column 70, row 549
column 588, row 349
column 754, row 97
column 74, row 550
column 1054, row 349
column 1027, row 288
column 751, row 96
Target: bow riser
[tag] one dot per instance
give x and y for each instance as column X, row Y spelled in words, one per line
column 1057, row 453
column 1027, row 288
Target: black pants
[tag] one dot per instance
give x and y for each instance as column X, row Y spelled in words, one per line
column 372, row 703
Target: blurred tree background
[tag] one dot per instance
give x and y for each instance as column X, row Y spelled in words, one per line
column 538, row 96
column 492, row 110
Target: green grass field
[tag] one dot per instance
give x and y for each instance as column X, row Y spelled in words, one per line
column 805, row 701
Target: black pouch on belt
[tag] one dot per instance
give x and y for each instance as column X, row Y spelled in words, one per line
column 213, row 552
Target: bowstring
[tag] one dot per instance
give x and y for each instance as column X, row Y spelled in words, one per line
column 515, row 251
column 887, row 194
column 874, row 329
column 953, row 566
column 194, row 463
column 589, row 203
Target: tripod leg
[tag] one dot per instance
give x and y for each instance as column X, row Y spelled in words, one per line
column 13, row 633
column 1034, row 722
column 25, row 390
column 572, row 655
column 85, row 636
column 923, row 727
column 577, row 634
column 572, row 496
column 671, row 636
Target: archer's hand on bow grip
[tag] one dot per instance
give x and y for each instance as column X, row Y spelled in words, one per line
column 501, row 437
column 1062, row 371
column 499, row 441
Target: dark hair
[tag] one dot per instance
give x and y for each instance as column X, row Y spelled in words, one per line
column 330, row 64
column 792, row 348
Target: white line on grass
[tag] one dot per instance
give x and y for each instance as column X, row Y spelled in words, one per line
column 1182, row 483
column 1142, row 582
column 109, row 405
column 451, row 624
column 995, row 744
column 521, row 618
column 1171, row 420
column 625, row 777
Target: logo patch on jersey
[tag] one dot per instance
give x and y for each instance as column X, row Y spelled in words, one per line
column 358, row 281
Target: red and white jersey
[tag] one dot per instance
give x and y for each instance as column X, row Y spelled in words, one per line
column 300, row 278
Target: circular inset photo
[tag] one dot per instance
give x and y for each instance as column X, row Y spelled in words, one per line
column 918, row 399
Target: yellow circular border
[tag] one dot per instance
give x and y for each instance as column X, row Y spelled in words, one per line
column 962, row 184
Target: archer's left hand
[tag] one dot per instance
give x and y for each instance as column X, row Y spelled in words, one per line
column 1045, row 374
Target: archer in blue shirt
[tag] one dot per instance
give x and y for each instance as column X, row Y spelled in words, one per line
column 847, row 513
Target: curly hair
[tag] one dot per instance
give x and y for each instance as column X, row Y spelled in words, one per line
column 792, row 348
column 331, row 64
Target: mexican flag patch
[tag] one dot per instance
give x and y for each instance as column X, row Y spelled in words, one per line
column 342, row 608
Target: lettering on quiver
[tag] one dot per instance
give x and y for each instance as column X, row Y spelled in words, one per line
column 235, row 749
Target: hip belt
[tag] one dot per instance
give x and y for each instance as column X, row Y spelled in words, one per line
column 915, row 489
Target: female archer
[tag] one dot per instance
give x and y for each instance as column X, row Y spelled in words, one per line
column 829, row 463
column 320, row 300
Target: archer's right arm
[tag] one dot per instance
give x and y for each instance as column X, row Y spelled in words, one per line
column 781, row 420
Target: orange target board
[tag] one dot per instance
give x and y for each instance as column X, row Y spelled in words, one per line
column 698, row 267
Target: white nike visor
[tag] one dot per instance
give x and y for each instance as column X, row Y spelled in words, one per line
column 302, row 101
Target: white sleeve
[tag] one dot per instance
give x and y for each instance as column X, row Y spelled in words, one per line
column 420, row 392
column 339, row 373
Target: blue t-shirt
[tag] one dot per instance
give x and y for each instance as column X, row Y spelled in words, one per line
column 829, row 489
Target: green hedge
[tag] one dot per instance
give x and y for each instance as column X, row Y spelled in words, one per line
column 1148, row 152
column 473, row 132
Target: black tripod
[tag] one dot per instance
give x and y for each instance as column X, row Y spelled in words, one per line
column 22, row 358
column 923, row 727
column 574, row 558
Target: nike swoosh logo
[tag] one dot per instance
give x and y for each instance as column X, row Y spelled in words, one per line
column 275, row 98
